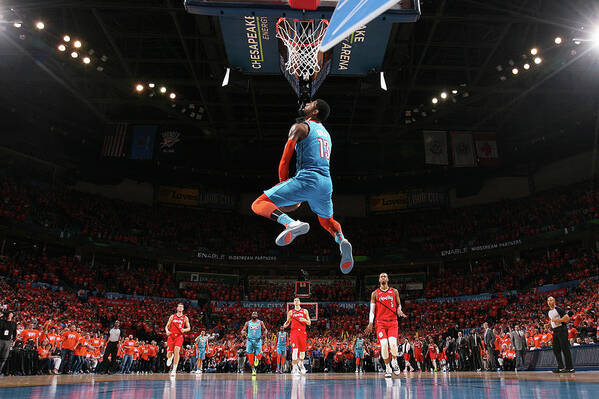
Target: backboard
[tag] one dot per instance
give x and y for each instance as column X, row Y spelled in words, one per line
column 249, row 34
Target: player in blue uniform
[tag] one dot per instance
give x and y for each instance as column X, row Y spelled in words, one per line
column 201, row 344
column 311, row 183
column 359, row 353
column 253, row 330
column 281, row 350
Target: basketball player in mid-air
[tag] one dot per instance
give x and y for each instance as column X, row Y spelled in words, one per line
column 253, row 330
column 311, row 183
column 385, row 308
column 298, row 318
column 177, row 325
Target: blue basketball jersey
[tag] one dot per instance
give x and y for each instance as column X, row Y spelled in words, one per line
column 254, row 329
column 314, row 152
column 202, row 342
column 282, row 341
column 359, row 346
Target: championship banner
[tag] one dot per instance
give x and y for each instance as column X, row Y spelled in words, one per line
column 463, row 149
column 435, row 147
column 486, row 149
column 178, row 196
column 142, row 141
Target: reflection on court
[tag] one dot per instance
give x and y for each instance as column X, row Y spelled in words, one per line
column 339, row 386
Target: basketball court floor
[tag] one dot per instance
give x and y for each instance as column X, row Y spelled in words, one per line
column 463, row 385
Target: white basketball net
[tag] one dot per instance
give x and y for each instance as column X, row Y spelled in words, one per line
column 302, row 39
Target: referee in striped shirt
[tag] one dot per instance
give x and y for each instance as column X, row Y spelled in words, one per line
column 558, row 319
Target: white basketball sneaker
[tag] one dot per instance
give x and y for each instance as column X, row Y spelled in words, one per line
column 291, row 232
column 347, row 259
column 295, row 370
column 303, row 369
column 174, row 372
column 388, row 371
column 395, row 367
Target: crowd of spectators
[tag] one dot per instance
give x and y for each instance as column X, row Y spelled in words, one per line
column 75, row 214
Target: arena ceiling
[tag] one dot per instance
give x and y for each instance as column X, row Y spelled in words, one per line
column 456, row 45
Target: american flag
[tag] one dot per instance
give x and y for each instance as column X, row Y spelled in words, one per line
column 114, row 140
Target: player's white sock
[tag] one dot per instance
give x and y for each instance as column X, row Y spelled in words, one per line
column 169, row 361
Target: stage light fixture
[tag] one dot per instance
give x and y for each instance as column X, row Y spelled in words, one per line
column 515, row 71
column 62, row 47
column 163, row 89
column 172, row 96
column 558, row 40
column 87, row 60
column 66, row 38
column 444, row 95
column 40, row 25
column 139, row 87
column 17, row 24
column 151, row 85
column 74, row 54
column 527, row 66
column 454, row 91
column 538, row 60
column 77, row 44
column 435, row 100
column 534, row 51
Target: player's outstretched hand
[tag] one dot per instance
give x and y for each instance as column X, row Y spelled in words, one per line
column 401, row 314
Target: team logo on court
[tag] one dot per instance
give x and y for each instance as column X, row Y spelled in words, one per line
column 169, row 139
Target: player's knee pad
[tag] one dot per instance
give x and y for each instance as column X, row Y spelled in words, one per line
column 294, row 354
column 384, row 348
column 393, row 346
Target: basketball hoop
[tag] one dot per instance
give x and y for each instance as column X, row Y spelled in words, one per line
column 302, row 39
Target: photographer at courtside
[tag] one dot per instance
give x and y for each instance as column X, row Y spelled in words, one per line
column 558, row 319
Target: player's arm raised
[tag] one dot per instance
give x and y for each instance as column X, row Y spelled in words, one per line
column 168, row 325
column 288, row 321
column 298, row 132
column 371, row 314
column 399, row 312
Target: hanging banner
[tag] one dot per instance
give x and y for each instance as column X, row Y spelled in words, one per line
column 142, row 141
column 486, row 149
column 435, row 147
column 463, row 149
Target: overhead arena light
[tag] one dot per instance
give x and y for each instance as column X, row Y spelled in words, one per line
column 444, row 95
column 87, row 60
column 77, row 44
column 66, row 38
column 538, row 60
column 62, row 47
column 226, row 78
column 454, row 91
column 163, row 89
column 515, row 71
column 74, row 54
column 172, row 96
column 151, row 85
column 534, row 51
column 527, row 66
column 435, row 100
column 139, row 87
column 40, row 25
column 383, row 83
column 558, row 40
column 17, row 24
